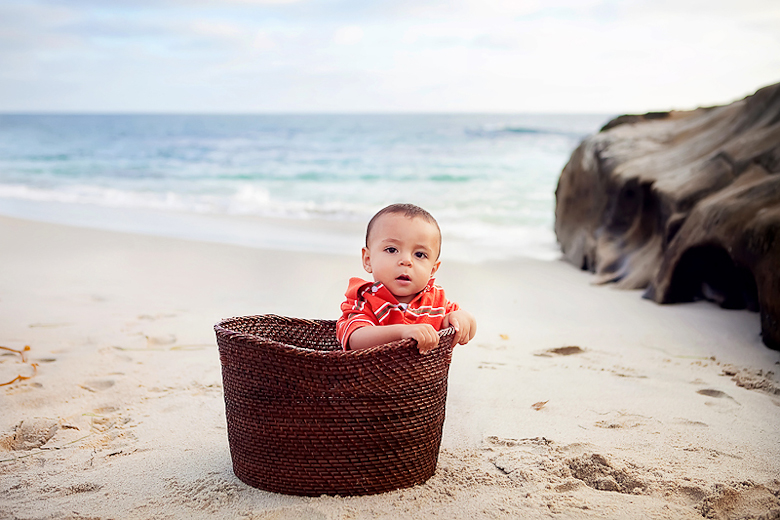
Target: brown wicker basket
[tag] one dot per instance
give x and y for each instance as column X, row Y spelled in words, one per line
column 306, row 418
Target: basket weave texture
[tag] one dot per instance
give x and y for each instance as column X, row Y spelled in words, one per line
column 305, row 417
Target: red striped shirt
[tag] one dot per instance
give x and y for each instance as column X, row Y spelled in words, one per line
column 369, row 304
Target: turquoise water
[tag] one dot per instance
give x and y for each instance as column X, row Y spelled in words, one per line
column 489, row 179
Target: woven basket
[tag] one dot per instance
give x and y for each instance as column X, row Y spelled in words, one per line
column 305, row 417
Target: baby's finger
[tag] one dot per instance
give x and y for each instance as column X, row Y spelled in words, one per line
column 428, row 342
column 464, row 336
column 454, row 323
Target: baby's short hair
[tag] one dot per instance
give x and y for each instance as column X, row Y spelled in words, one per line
column 408, row 211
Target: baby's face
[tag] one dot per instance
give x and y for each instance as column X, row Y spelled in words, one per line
column 402, row 253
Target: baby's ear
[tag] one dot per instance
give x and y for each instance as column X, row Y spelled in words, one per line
column 366, row 258
column 435, row 267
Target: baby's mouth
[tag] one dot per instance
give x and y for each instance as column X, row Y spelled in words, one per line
column 404, row 278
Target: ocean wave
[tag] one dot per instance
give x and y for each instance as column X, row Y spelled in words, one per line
column 492, row 130
column 100, row 196
column 247, row 200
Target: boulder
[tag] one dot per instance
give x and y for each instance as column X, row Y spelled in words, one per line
column 683, row 204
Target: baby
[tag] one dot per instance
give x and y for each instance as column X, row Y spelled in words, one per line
column 403, row 243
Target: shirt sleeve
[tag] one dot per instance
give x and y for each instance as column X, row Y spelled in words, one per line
column 451, row 306
column 355, row 313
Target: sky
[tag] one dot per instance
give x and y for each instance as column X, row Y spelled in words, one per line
column 504, row 56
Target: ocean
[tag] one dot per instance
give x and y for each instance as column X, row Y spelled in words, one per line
column 295, row 182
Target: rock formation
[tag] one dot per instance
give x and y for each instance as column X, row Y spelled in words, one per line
column 684, row 204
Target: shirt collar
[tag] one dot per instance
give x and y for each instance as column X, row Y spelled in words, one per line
column 382, row 291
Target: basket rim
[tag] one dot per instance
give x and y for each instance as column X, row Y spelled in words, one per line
column 222, row 329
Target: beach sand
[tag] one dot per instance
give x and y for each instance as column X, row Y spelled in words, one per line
column 648, row 411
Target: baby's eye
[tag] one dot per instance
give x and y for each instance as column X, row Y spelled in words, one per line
column 391, row 250
column 420, row 254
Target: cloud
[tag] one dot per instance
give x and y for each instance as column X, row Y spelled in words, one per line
column 348, row 35
column 232, row 36
column 410, row 55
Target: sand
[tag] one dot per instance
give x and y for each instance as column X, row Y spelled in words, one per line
column 573, row 401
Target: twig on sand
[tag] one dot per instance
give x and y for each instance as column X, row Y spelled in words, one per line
column 20, row 377
column 20, row 352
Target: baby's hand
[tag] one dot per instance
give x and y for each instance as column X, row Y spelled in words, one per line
column 464, row 323
column 426, row 336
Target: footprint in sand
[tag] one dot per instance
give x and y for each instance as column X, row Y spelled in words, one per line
column 98, row 385
column 688, row 422
column 561, row 351
column 105, row 410
column 155, row 317
column 491, row 365
column 164, row 339
column 744, row 500
column 599, row 473
column 709, row 392
column 620, row 420
column 723, row 399
column 30, row 434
